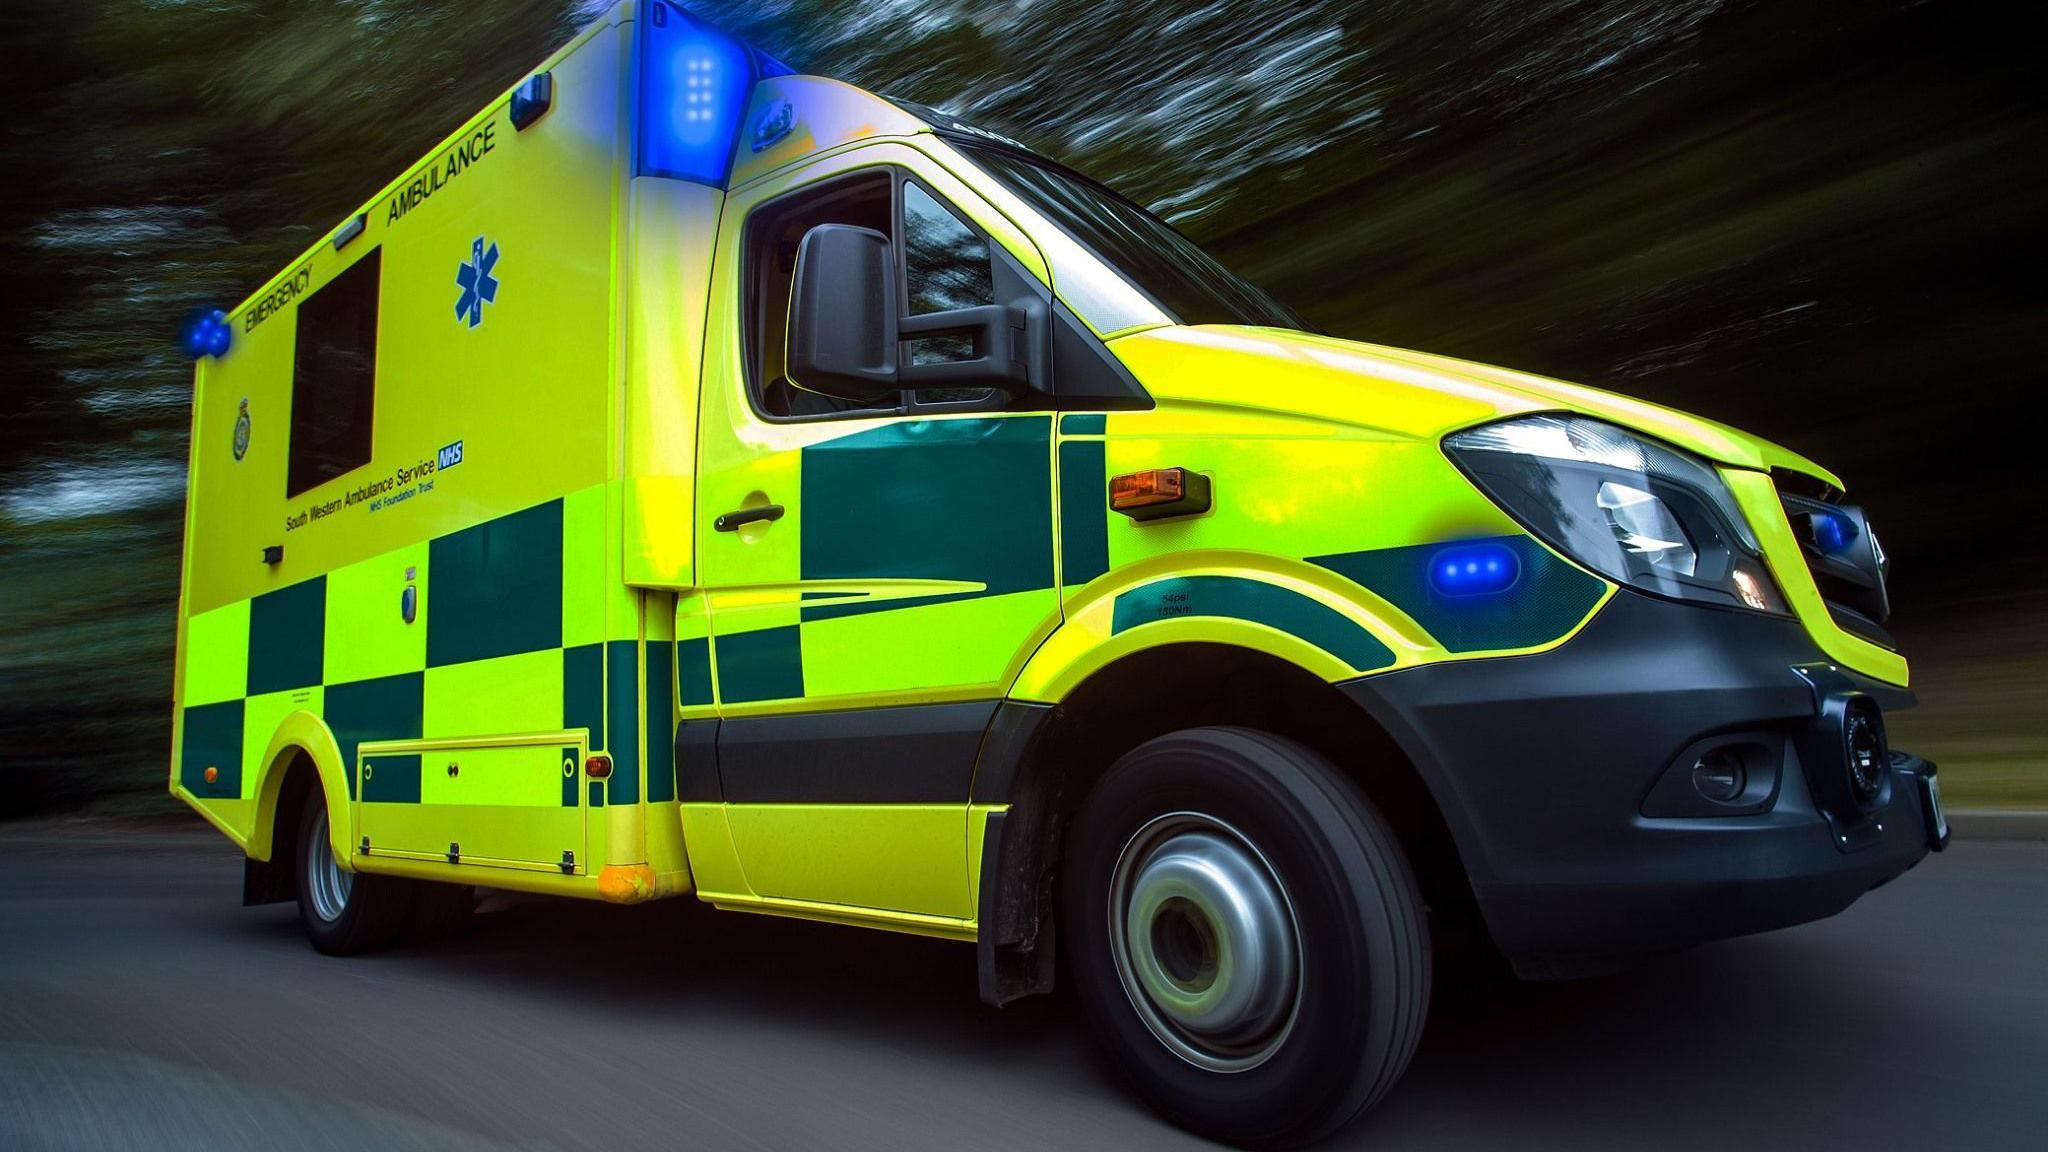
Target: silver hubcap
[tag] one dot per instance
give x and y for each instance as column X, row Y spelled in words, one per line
column 329, row 885
column 1205, row 942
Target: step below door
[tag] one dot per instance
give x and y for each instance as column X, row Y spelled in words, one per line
column 509, row 802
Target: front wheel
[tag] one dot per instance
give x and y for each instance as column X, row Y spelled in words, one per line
column 1247, row 936
column 344, row 913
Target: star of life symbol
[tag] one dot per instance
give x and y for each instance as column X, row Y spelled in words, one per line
column 478, row 286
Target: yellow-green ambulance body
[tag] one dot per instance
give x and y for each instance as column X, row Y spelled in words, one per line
column 694, row 478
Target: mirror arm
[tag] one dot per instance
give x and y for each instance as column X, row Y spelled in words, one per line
column 986, row 316
column 999, row 333
column 966, row 374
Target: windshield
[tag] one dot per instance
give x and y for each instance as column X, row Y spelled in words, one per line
column 1188, row 283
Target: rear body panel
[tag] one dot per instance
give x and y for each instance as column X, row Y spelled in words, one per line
column 459, row 589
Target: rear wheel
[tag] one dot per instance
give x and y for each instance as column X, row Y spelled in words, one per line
column 345, row 913
column 1248, row 939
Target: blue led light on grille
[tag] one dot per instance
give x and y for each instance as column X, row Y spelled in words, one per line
column 694, row 83
column 1474, row 570
column 206, row 333
column 1833, row 532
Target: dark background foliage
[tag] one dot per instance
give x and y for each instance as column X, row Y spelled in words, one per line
column 1817, row 219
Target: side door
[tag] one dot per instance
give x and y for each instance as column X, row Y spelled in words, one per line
column 875, row 575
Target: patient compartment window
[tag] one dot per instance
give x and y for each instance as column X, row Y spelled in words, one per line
column 334, row 377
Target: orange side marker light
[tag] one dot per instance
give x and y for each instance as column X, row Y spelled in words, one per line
column 1158, row 493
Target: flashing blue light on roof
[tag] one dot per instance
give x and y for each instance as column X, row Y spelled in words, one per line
column 1474, row 570
column 694, row 83
column 206, row 333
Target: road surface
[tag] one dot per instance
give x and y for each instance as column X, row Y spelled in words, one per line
column 140, row 1007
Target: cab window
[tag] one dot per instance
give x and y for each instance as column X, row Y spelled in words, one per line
column 945, row 266
column 772, row 234
column 942, row 261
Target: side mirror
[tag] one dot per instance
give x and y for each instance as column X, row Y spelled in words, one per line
column 845, row 334
column 842, row 315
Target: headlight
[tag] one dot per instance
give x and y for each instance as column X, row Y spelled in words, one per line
column 1633, row 510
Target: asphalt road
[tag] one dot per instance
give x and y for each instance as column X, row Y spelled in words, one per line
column 140, row 1007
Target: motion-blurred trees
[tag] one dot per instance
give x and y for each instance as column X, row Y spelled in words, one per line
column 1819, row 219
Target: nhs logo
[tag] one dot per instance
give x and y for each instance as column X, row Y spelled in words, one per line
column 450, row 456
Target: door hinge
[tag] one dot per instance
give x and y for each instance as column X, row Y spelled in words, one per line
column 366, row 846
column 454, row 853
column 568, row 863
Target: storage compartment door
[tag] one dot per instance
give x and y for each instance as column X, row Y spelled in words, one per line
column 498, row 803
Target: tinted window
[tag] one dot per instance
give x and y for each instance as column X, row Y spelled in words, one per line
column 945, row 266
column 1167, row 266
column 334, row 377
column 944, row 263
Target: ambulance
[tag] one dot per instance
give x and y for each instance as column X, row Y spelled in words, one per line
column 695, row 479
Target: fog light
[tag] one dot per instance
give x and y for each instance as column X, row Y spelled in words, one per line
column 1720, row 776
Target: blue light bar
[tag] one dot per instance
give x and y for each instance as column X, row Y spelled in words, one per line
column 694, row 84
column 1474, row 570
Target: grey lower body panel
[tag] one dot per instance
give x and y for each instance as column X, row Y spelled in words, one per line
column 913, row 754
column 1544, row 766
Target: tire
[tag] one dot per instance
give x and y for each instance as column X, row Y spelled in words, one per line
column 344, row 913
column 1248, row 941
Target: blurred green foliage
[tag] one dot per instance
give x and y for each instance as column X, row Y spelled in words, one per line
column 1982, row 678
column 1818, row 219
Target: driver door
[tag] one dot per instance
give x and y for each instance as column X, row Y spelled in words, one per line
column 875, row 574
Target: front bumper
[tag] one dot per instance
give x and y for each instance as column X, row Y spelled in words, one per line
column 1555, row 773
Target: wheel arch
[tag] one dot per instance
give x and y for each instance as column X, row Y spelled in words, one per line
column 302, row 743
column 1039, row 762
column 1297, row 612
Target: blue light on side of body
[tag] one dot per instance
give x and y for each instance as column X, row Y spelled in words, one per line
column 1474, row 570
column 694, row 84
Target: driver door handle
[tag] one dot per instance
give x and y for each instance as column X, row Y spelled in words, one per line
column 731, row 521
